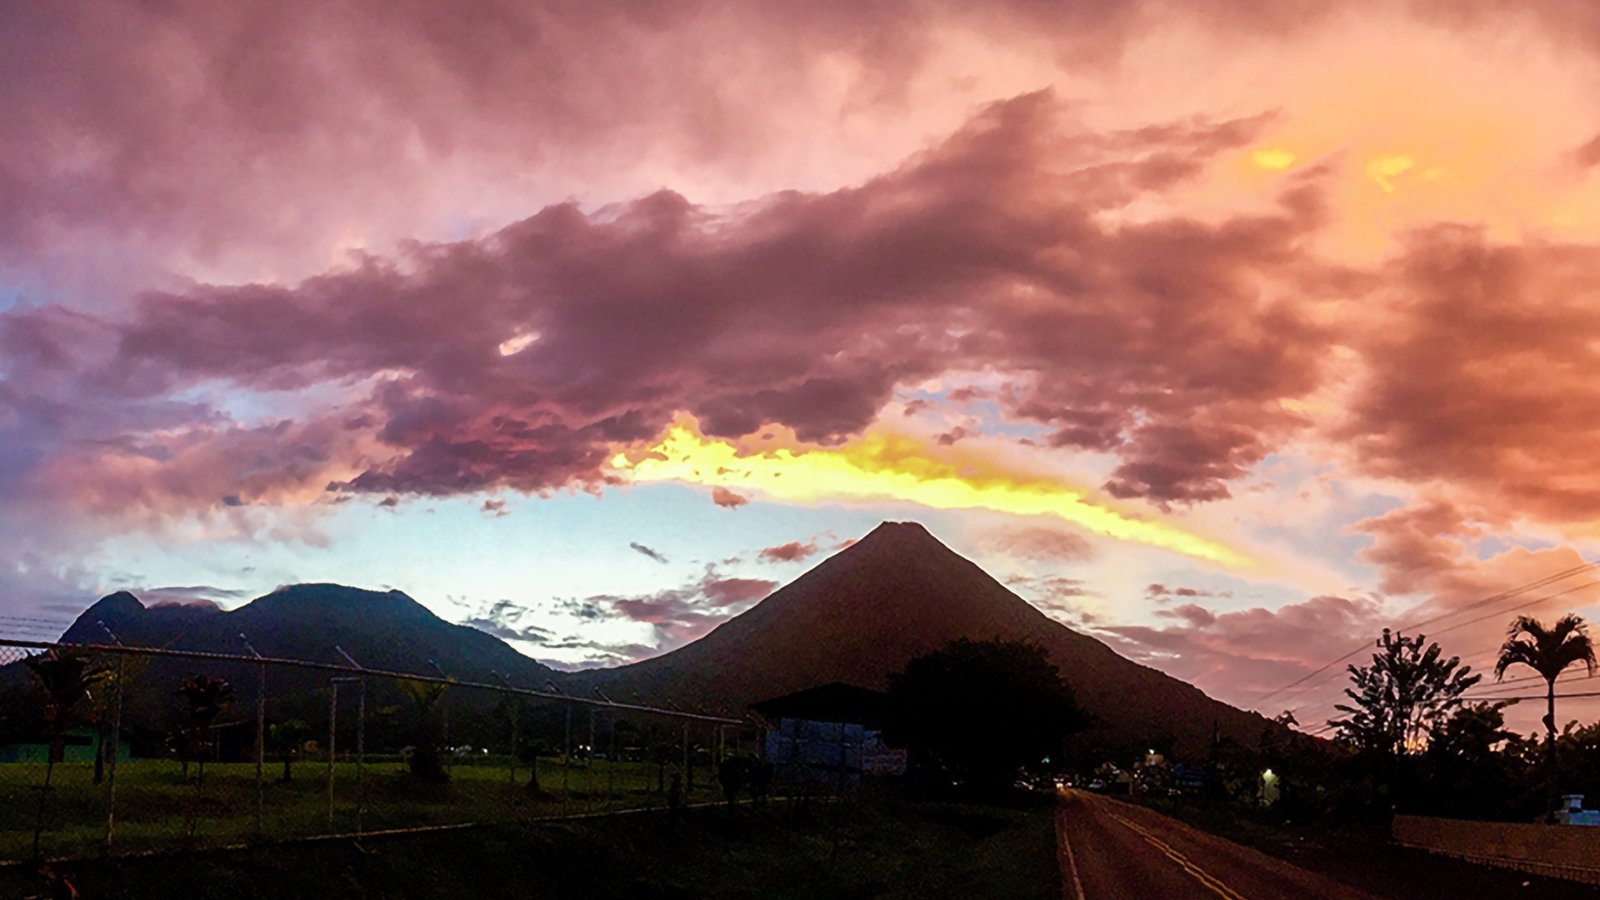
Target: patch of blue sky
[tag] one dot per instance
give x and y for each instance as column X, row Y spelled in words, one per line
column 1218, row 592
column 986, row 410
column 1326, row 532
column 456, row 558
column 1495, row 544
column 247, row 406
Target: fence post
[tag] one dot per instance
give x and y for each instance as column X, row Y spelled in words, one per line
column 361, row 751
column 566, row 753
column 444, row 712
column 361, row 737
column 516, row 702
column 261, row 730
column 333, row 720
column 588, row 765
column 116, row 737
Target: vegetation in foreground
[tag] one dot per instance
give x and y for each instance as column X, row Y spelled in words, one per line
column 160, row 809
column 858, row 849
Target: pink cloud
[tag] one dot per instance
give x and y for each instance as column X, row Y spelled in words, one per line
column 1243, row 654
column 705, row 317
column 679, row 615
column 728, row 499
column 1480, row 377
column 793, row 551
column 1041, row 544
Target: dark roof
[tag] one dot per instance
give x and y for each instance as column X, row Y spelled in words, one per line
column 835, row 702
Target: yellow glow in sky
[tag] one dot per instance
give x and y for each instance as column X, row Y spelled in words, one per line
column 1275, row 158
column 1385, row 169
column 881, row 466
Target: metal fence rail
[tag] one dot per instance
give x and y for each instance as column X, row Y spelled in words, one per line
column 108, row 748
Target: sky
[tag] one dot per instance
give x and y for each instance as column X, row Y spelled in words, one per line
column 1229, row 333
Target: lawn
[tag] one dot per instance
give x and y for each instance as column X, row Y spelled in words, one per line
column 851, row 849
column 156, row 809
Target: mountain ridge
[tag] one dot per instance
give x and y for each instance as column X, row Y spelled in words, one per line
column 893, row 595
column 855, row 617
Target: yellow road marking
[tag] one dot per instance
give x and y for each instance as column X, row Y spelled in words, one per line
column 1072, row 862
column 1211, row 882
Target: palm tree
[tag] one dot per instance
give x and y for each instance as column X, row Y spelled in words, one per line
column 1548, row 651
column 66, row 678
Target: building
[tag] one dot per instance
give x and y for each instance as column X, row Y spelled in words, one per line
column 78, row 745
column 829, row 735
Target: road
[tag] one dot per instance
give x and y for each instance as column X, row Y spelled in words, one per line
column 1110, row 850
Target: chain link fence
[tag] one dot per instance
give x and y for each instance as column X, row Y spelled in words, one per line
column 109, row 749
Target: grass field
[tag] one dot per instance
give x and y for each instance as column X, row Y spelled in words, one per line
column 851, row 849
column 156, row 809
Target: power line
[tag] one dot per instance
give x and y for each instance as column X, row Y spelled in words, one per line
column 1496, row 598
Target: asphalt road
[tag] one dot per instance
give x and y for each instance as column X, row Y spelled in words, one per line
column 1110, row 850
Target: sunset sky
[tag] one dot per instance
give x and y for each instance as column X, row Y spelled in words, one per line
column 1228, row 333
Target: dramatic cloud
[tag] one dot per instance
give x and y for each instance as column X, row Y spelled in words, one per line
column 505, row 620
column 707, row 317
column 1480, row 375
column 1252, row 651
column 271, row 273
column 681, row 614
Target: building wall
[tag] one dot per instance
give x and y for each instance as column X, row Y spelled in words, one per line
column 830, row 754
column 78, row 748
column 1562, row 851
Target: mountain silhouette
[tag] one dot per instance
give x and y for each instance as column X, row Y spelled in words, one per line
column 382, row 630
column 892, row 596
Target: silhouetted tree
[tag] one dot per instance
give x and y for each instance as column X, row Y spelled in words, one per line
column 1548, row 651
column 982, row 709
column 1467, row 773
column 66, row 679
column 286, row 738
column 734, row 773
column 205, row 698
column 1405, row 693
column 425, row 762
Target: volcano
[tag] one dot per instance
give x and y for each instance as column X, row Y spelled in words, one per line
column 894, row 595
